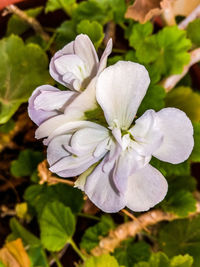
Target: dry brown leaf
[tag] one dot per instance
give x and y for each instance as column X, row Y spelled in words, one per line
column 7, row 258
column 184, row 7
column 13, row 254
column 144, row 10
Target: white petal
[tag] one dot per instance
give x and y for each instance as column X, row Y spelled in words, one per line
column 127, row 163
column 147, row 134
column 39, row 116
column 54, row 100
column 87, row 139
column 68, row 49
column 72, row 165
column 115, row 150
column 146, row 188
column 56, row 150
column 104, row 57
column 101, row 190
column 74, row 65
column 100, row 148
column 178, row 139
column 85, row 50
column 47, row 127
column 120, row 89
column 74, row 111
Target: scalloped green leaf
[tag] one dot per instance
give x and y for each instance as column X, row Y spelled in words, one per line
column 166, row 51
column 131, row 252
column 180, row 237
column 65, row 33
column 66, row 5
column 22, row 69
column 93, row 11
column 193, row 31
column 93, row 29
column 26, row 163
column 57, row 226
column 180, row 199
column 161, row 260
column 92, row 235
column 37, row 196
column 101, row 261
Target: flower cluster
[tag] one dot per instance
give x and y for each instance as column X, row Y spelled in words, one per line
column 118, row 151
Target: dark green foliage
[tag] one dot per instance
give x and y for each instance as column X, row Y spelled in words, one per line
column 26, row 163
column 92, row 235
column 180, row 237
column 38, row 196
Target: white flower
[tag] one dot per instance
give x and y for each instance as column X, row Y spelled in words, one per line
column 123, row 176
column 77, row 63
column 75, row 66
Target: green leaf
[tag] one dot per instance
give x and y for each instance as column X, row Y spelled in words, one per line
column 195, row 156
column 93, row 234
column 118, row 8
column 193, row 31
column 57, row 225
column 182, row 182
column 130, row 253
column 168, row 169
column 20, row 73
column 38, row 196
column 66, row 5
column 156, row 260
column 179, row 199
column 7, row 127
column 180, row 237
column 18, row 26
column 18, row 231
column 36, row 39
column 93, row 11
column 153, row 72
column 185, row 99
column 101, row 261
column 138, row 33
column 161, row 260
column 182, row 261
column 154, row 99
column 166, row 51
column 93, row 29
column 115, row 59
column 181, row 203
column 65, row 33
column 38, row 256
column 26, row 163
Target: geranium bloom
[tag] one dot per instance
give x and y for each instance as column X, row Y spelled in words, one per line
column 74, row 66
column 123, row 149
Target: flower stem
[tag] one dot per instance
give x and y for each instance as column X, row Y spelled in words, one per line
column 74, row 246
column 58, row 263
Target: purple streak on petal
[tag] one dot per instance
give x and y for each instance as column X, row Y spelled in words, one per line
column 104, row 57
column 101, row 191
column 39, row 116
column 47, row 102
column 67, row 50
